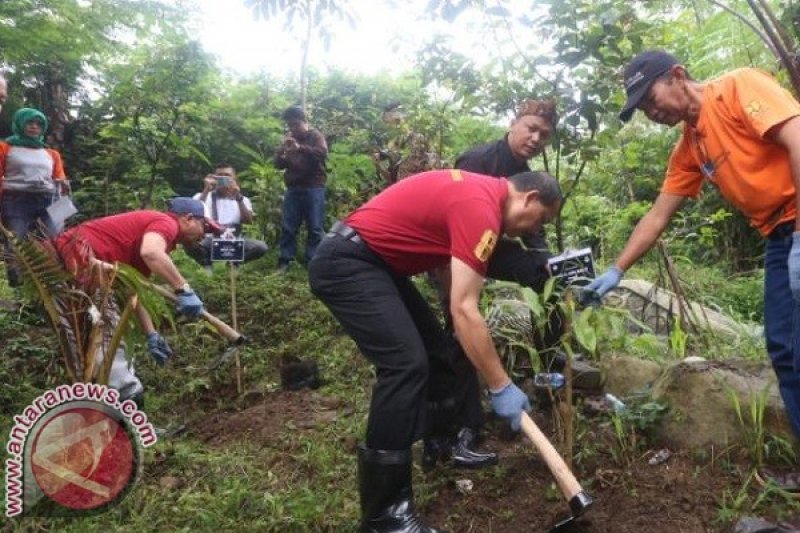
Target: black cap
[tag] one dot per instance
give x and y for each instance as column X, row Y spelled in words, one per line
column 640, row 74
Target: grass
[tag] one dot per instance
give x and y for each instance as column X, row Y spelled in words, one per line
column 308, row 481
column 237, row 487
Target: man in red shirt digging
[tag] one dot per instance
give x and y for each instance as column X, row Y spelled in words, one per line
column 444, row 219
column 142, row 239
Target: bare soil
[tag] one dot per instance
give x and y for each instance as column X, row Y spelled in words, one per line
column 683, row 494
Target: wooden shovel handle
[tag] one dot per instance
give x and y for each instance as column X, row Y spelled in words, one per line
column 566, row 481
column 222, row 328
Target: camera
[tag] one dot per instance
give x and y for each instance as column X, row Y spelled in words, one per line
column 222, row 181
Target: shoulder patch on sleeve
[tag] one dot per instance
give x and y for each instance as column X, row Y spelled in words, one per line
column 485, row 247
column 754, row 108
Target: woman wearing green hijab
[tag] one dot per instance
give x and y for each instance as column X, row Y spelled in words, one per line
column 32, row 178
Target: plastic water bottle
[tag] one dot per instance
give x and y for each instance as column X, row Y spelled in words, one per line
column 615, row 402
column 549, row 380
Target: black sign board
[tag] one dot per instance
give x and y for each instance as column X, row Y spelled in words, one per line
column 575, row 266
column 227, row 250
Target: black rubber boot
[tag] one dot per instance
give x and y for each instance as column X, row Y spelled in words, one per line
column 387, row 500
column 463, row 454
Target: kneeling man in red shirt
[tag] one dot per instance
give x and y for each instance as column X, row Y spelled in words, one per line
column 142, row 239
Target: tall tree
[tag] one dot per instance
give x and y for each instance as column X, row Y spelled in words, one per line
column 50, row 46
column 308, row 17
column 157, row 104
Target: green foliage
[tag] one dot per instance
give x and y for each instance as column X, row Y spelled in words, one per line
column 677, row 339
column 634, row 427
column 759, row 446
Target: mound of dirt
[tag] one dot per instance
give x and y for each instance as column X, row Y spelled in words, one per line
column 264, row 422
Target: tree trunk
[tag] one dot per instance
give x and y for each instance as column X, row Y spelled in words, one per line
column 304, row 60
column 783, row 53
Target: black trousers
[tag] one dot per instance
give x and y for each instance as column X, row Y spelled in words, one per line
column 509, row 262
column 394, row 328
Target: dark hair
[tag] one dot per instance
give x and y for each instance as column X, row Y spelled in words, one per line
column 547, row 185
column 293, row 113
column 223, row 164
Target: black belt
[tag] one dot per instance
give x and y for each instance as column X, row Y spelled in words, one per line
column 343, row 230
column 782, row 230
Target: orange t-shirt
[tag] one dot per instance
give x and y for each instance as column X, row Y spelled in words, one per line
column 728, row 147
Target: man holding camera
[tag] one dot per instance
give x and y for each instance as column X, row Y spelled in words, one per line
column 225, row 204
column 302, row 154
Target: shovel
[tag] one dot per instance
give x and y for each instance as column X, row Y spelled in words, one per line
column 236, row 339
column 577, row 498
column 222, row 328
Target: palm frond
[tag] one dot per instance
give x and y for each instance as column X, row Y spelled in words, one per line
column 52, row 285
column 82, row 307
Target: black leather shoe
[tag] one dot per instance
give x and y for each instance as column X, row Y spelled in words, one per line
column 463, row 456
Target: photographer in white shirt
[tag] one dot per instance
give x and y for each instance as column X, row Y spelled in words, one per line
column 224, row 203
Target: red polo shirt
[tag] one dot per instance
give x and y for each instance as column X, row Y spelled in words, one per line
column 422, row 221
column 117, row 238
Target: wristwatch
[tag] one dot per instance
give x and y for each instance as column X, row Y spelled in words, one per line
column 183, row 289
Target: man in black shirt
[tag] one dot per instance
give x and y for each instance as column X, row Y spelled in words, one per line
column 302, row 154
column 527, row 137
column 456, row 422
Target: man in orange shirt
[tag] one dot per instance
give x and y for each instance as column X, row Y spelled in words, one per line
column 741, row 134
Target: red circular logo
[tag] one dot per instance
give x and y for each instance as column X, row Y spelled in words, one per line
column 83, row 458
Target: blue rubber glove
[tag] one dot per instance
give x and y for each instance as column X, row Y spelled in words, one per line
column 598, row 288
column 158, row 348
column 189, row 304
column 509, row 402
column 794, row 266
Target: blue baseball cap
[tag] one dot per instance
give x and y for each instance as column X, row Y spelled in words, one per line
column 640, row 74
column 183, row 205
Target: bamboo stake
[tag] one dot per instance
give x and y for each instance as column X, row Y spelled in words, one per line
column 235, row 326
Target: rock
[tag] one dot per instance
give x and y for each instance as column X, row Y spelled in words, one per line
column 464, row 486
column 170, row 482
column 656, row 307
column 625, row 375
column 694, row 359
column 750, row 524
column 702, row 410
column 659, row 457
